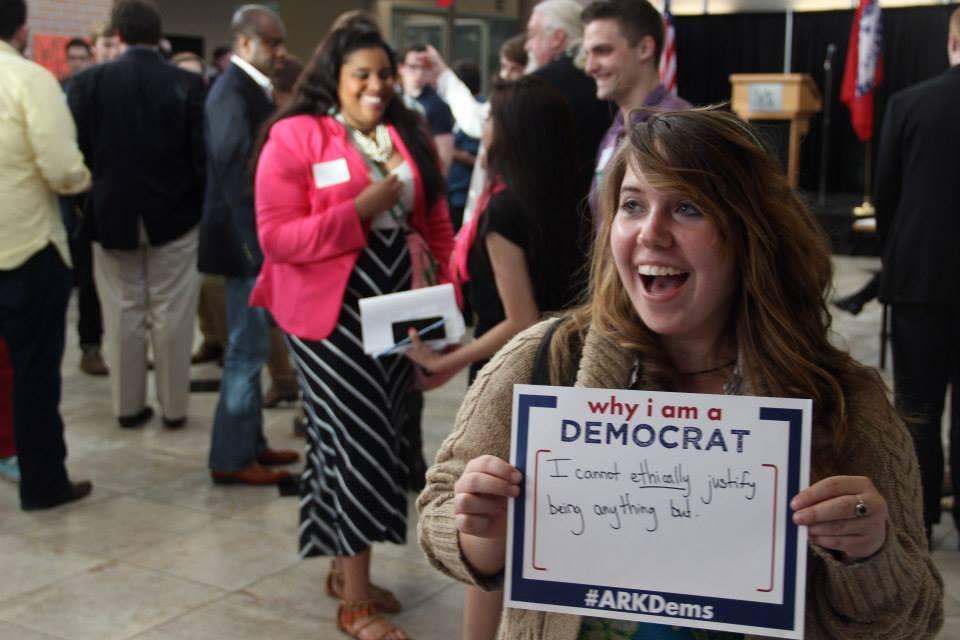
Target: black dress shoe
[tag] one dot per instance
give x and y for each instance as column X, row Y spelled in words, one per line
column 77, row 491
column 299, row 426
column 204, row 386
column 208, row 352
column 174, row 423
column 289, row 486
column 851, row 304
column 137, row 419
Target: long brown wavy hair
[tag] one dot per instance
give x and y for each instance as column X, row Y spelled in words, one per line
column 779, row 320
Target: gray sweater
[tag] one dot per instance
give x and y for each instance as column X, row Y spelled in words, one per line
column 895, row 595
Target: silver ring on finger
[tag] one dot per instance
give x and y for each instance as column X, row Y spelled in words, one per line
column 860, row 509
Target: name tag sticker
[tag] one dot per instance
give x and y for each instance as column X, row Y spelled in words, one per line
column 327, row 174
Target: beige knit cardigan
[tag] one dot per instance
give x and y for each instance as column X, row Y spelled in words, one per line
column 895, row 595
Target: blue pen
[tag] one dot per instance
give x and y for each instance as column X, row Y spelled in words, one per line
column 406, row 341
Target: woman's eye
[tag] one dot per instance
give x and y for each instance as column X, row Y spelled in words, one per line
column 687, row 210
column 631, row 207
column 361, row 75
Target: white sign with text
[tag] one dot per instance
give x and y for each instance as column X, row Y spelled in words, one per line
column 661, row 507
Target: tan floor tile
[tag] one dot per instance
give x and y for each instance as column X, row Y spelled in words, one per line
column 951, row 629
column 14, row 520
column 130, row 467
column 117, row 527
column 11, row 517
column 440, row 617
column 303, row 587
column 298, row 588
column 193, row 489
column 112, row 602
column 948, row 563
column 10, row 631
column 243, row 616
column 29, row 564
column 227, row 554
column 412, row 579
column 279, row 514
column 951, row 607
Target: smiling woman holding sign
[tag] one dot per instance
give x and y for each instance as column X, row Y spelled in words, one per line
column 709, row 276
column 346, row 177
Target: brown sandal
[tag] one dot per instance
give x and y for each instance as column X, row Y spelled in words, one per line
column 355, row 618
column 382, row 598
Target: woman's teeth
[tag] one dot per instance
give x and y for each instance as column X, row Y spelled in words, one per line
column 658, row 270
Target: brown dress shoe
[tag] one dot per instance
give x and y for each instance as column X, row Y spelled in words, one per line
column 254, row 474
column 91, row 362
column 273, row 457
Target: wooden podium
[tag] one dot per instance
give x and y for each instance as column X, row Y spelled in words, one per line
column 790, row 97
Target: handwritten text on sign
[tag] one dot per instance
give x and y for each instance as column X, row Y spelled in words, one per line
column 660, row 507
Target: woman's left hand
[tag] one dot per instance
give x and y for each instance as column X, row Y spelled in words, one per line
column 422, row 354
column 845, row 514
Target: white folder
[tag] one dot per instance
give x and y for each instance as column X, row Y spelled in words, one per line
column 379, row 314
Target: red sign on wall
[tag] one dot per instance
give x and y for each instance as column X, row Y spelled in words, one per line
column 50, row 51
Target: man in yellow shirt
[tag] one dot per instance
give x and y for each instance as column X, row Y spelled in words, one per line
column 40, row 159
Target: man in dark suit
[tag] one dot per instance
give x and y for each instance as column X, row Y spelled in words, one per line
column 554, row 42
column 239, row 103
column 140, row 127
column 918, row 217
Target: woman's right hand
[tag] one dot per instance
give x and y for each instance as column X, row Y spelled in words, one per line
column 480, row 496
column 379, row 196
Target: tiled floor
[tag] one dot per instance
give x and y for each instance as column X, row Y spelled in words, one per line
column 160, row 553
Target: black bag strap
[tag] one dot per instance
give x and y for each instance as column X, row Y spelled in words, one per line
column 541, row 363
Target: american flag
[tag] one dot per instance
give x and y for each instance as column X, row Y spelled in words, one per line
column 668, row 58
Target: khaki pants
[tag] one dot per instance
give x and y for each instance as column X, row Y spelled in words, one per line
column 151, row 289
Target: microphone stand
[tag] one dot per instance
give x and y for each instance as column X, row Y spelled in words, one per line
column 825, row 128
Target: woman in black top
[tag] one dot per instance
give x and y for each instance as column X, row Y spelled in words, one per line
column 522, row 252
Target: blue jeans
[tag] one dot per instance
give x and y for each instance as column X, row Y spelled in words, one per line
column 238, row 422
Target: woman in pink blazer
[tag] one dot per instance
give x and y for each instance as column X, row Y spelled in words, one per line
column 346, row 172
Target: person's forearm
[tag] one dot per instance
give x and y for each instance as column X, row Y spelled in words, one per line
column 485, row 555
column 484, row 347
column 468, row 113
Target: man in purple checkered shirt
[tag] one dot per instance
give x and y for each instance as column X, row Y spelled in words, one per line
column 622, row 40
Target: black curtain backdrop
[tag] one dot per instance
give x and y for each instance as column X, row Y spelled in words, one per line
column 711, row 48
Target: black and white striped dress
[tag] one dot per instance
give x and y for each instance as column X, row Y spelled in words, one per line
column 352, row 491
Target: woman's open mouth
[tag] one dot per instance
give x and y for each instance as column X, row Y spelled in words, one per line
column 659, row 280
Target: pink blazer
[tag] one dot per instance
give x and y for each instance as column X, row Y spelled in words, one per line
column 308, row 225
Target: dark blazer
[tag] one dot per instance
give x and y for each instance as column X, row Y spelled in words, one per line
column 591, row 115
column 918, row 193
column 140, row 128
column 234, row 111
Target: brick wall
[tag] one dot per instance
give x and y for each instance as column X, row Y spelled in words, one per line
column 66, row 17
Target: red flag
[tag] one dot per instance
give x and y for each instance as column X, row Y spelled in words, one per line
column 864, row 69
column 668, row 57
column 444, row 3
